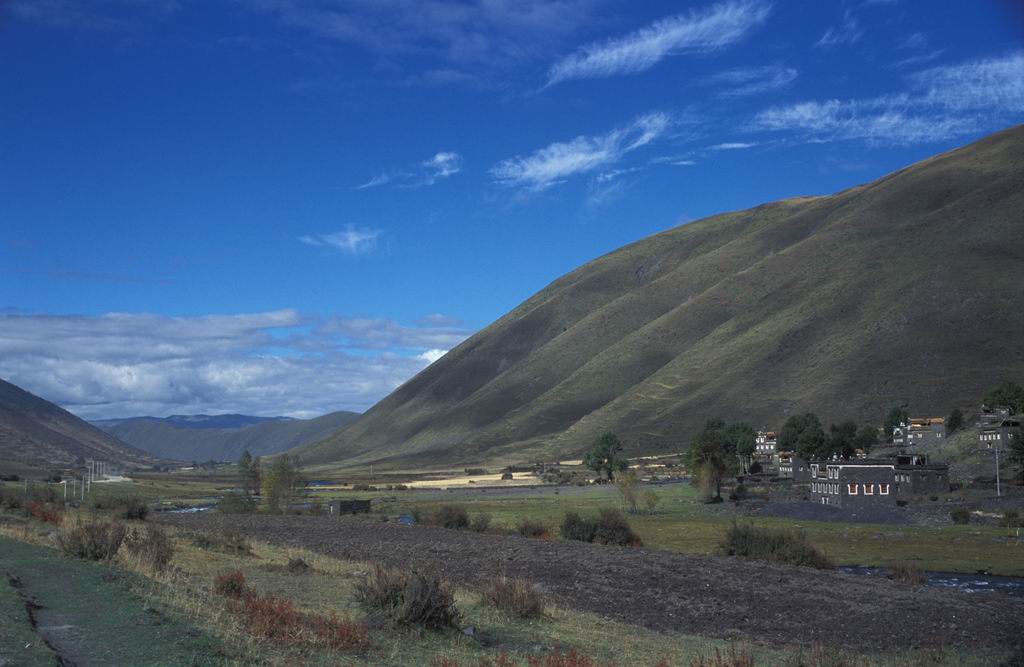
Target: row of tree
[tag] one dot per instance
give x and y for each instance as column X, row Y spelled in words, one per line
column 279, row 485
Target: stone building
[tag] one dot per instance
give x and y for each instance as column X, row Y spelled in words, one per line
column 862, row 482
column 765, row 444
column 920, row 432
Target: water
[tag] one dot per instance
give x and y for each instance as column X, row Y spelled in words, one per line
column 968, row 583
column 192, row 510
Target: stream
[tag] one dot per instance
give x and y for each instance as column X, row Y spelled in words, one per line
column 968, row 583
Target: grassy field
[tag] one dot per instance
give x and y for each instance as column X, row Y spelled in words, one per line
column 76, row 588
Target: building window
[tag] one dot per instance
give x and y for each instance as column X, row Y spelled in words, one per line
column 883, row 489
column 852, row 488
column 869, row 489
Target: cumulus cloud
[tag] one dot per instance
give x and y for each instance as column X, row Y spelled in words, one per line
column 704, row 30
column 751, row 80
column 274, row 363
column 559, row 161
column 941, row 103
column 351, row 240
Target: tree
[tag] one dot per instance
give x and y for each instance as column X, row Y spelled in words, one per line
column 282, row 483
column 711, row 456
column 628, row 485
column 1017, row 446
column 802, row 434
column 651, row 500
column 866, row 438
column 841, row 439
column 245, row 472
column 741, row 438
column 897, row 415
column 955, row 421
column 256, row 476
column 1007, row 395
column 605, row 456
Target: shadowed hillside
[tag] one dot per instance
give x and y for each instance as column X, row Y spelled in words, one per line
column 36, row 431
column 907, row 289
column 222, row 437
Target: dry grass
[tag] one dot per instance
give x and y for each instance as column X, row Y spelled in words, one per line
column 515, row 597
column 905, row 573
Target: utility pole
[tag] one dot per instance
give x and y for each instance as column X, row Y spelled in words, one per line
column 999, row 490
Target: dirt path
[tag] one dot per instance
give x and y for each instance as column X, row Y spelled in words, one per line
column 718, row 597
column 66, row 612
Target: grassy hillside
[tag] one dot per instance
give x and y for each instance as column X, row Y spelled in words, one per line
column 35, row 431
column 907, row 289
column 192, row 439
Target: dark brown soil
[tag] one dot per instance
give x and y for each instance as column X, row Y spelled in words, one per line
column 718, row 597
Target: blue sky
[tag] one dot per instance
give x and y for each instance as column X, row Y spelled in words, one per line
column 292, row 206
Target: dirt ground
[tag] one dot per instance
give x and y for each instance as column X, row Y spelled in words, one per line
column 701, row 595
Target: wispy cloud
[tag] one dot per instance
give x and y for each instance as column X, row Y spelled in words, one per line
column 732, row 146
column 751, row 80
column 941, row 103
column 352, row 240
column 559, row 161
column 441, row 165
column 89, row 15
column 848, row 32
column 271, row 363
column 712, row 28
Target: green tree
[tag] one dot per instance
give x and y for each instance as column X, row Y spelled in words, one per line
column 282, row 483
column 841, row 440
column 867, row 437
column 711, row 456
column 802, row 434
column 741, row 438
column 955, row 421
column 1007, row 395
column 245, row 472
column 256, row 476
column 605, row 458
column 897, row 415
column 628, row 485
column 1017, row 447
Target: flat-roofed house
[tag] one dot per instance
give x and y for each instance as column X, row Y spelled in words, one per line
column 1000, row 435
column 793, row 467
column 863, row 482
column 765, row 444
column 920, row 432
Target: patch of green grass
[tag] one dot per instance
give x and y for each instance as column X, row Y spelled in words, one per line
column 19, row 643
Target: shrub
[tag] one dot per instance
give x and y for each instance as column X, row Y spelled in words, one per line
column 739, row 493
column 773, row 545
column 270, row 617
column 151, row 545
column 481, row 522
column 1011, row 519
column 734, row 657
column 575, row 527
column 10, row 498
column 531, row 528
column 237, row 503
column 43, row 493
column 960, row 516
column 515, row 597
column 613, row 528
column 46, row 514
column 230, row 585
column 339, row 633
column 452, row 516
column 570, row 659
column 128, row 507
column 410, row 599
column 906, row 573
column 651, row 500
column 231, row 543
column 94, row 540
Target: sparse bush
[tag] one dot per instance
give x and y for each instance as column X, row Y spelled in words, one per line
column 10, row 498
column 339, row 633
column 271, row 618
column 1011, row 519
column 237, row 503
column 559, row 659
column 734, row 657
column 230, row 543
column 452, row 516
column 906, row 573
column 150, row 545
column 407, row 599
column 127, row 507
column 651, row 500
column 575, row 527
column 773, row 545
column 960, row 516
column 43, row 493
column 531, row 528
column 515, row 597
column 738, row 493
column 613, row 528
column 45, row 513
column 93, row 540
column 230, row 585
column 481, row 522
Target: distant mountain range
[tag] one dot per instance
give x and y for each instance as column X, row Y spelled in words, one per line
column 221, row 437
column 905, row 290
column 35, row 431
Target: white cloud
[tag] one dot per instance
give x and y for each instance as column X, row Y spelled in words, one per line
column 441, row 165
column 352, row 240
column 274, row 363
column 559, row 161
column 732, row 146
column 379, row 179
column 712, row 28
column 752, row 80
column 430, row 356
column 848, row 33
column 941, row 103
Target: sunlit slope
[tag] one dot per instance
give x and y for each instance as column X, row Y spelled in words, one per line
column 907, row 289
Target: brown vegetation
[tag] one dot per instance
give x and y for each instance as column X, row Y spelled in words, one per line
column 92, row 540
column 515, row 597
column 773, row 545
column 396, row 598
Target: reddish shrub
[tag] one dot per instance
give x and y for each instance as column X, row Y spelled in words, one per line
column 230, row 585
column 570, row 659
column 734, row 657
column 41, row 512
column 271, row 618
column 339, row 632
